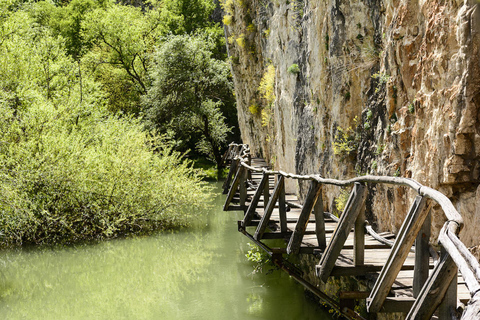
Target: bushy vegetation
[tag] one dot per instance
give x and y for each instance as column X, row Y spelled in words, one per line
column 76, row 162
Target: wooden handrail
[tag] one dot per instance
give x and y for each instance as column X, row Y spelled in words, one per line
column 468, row 266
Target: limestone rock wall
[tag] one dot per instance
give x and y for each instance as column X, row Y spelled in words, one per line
column 386, row 87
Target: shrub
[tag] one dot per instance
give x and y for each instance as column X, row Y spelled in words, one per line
column 227, row 20
column 293, row 69
column 71, row 175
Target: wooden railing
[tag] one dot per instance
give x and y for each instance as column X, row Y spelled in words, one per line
column 429, row 290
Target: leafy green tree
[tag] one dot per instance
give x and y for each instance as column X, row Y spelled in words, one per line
column 190, row 89
column 70, row 170
column 123, row 39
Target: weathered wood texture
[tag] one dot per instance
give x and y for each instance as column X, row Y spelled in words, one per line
column 434, row 290
column 256, row 197
column 279, row 187
column 406, row 237
column 297, row 236
column 345, row 225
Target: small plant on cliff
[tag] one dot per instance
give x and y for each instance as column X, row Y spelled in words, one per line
column 293, row 69
column 267, row 85
column 346, row 141
column 411, row 108
column 382, row 79
column 227, row 20
column 341, row 200
column 241, row 41
column 254, row 109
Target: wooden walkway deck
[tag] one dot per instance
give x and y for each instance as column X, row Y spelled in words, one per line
column 342, row 247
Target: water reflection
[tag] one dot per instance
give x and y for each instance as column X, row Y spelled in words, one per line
column 200, row 274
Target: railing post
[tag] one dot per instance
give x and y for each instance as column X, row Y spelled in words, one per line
column 302, row 222
column 282, row 209
column 233, row 189
column 243, row 188
column 359, row 239
column 406, row 237
column 320, row 222
column 262, row 226
column 231, row 173
column 345, row 225
column 434, row 290
column 266, row 190
column 422, row 257
column 256, row 197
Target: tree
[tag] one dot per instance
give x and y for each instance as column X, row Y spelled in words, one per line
column 189, row 90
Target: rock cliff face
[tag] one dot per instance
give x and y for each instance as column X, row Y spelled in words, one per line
column 342, row 88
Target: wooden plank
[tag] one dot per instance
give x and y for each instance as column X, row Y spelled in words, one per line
column 359, row 270
column 234, row 187
column 397, row 304
column 406, row 237
column 253, row 205
column 422, row 256
column 320, row 222
column 345, row 224
column 297, row 236
column 262, row 226
column 434, row 290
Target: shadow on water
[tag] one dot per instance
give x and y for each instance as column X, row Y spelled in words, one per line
column 198, row 274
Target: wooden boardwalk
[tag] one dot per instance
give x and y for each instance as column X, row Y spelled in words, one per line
column 344, row 248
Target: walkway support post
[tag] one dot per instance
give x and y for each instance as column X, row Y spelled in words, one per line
column 340, row 235
column 406, row 237
column 302, row 222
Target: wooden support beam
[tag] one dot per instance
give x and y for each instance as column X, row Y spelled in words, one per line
column 231, row 173
column 234, row 187
column 359, row 239
column 282, row 209
column 360, row 270
column 434, row 290
column 448, row 306
column 266, row 189
column 397, row 304
column 406, row 237
column 320, row 222
column 310, row 200
column 422, row 256
column 269, row 209
column 253, row 205
column 345, row 225
column 243, row 187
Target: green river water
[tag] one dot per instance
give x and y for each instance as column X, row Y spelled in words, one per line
column 199, row 274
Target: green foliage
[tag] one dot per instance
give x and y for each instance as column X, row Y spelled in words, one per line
column 382, row 79
column 411, row 108
column 259, row 258
column 267, row 85
column 254, row 109
column 341, row 200
column 189, row 89
column 369, row 114
column 293, row 69
column 346, row 141
column 227, row 20
column 367, row 125
column 69, row 170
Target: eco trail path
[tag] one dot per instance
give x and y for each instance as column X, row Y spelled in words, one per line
column 409, row 275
